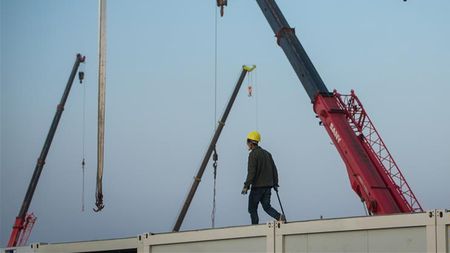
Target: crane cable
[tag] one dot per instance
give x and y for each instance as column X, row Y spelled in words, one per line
column 215, row 156
column 251, row 88
column 83, row 137
column 256, row 98
column 213, row 212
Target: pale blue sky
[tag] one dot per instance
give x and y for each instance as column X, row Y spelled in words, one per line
column 160, row 107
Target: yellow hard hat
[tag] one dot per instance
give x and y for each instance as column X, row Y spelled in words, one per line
column 254, row 136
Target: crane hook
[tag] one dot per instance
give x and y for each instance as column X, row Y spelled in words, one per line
column 99, row 203
column 222, row 4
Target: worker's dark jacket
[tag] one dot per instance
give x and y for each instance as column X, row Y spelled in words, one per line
column 262, row 171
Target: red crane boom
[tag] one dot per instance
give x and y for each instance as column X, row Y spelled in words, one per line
column 373, row 173
column 379, row 154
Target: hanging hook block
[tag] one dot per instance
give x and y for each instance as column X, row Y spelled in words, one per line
column 99, row 203
column 81, row 76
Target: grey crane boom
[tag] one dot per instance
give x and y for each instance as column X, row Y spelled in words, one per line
column 293, row 49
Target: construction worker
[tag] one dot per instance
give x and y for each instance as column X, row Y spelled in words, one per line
column 262, row 176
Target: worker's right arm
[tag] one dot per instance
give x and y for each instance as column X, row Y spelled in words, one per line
column 251, row 170
column 275, row 173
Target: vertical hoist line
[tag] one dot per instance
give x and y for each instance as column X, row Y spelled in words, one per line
column 215, row 70
column 256, row 99
column 213, row 212
column 83, row 140
column 249, row 85
column 215, row 156
column 252, row 83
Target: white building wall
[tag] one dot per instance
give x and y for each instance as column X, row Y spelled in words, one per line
column 393, row 233
column 423, row 232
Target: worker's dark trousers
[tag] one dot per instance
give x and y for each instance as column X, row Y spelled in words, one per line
column 261, row 194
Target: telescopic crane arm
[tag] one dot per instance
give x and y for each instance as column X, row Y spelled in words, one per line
column 20, row 222
column 378, row 183
column 288, row 41
column 211, row 147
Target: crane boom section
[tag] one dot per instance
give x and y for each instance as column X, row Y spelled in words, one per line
column 364, row 176
column 296, row 54
column 381, row 187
